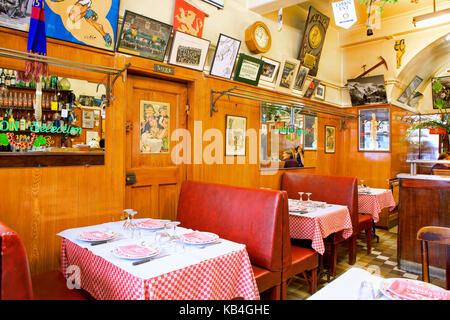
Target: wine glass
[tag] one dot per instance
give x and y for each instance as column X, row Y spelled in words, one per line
column 309, row 195
column 366, row 291
column 362, row 183
column 301, row 196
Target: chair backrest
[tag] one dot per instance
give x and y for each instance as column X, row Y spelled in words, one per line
column 15, row 277
column 254, row 217
column 331, row 189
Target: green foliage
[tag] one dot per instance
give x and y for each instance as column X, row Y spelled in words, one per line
column 381, row 3
column 39, row 141
column 4, row 139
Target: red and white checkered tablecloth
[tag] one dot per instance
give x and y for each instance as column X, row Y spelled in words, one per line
column 373, row 203
column 221, row 278
column 320, row 224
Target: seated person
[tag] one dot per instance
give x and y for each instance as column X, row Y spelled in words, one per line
column 289, row 161
column 300, row 152
column 442, row 166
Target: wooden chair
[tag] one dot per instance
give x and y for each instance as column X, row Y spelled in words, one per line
column 438, row 235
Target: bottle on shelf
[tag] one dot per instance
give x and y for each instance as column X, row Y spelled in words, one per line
column 29, row 101
column 8, row 78
column 20, row 101
column 15, row 104
column 1, row 116
column 22, row 123
column 28, row 121
column 2, row 77
column 1, row 99
column 13, row 78
column 11, row 119
column 10, row 99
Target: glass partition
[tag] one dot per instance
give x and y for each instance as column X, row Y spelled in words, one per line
column 287, row 133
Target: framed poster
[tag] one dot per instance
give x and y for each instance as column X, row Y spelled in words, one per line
column 86, row 22
column 88, row 119
column 320, row 92
column 313, row 38
column 310, row 128
column 330, row 139
column 235, row 134
column 414, row 100
column 154, row 118
column 406, row 94
column 300, row 79
column 188, row 19
column 286, row 78
column 311, row 88
column 248, row 69
column 144, row 37
column 225, row 57
column 374, row 130
column 367, row 90
column 269, row 70
column 441, row 98
column 15, row 14
column 188, row 51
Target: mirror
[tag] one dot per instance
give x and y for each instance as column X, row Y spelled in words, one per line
column 287, row 134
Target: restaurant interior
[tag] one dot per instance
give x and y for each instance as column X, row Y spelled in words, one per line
column 225, row 150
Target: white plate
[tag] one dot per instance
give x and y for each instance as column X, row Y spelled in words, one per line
column 118, row 255
column 389, row 294
column 111, row 234
column 151, row 228
column 214, row 239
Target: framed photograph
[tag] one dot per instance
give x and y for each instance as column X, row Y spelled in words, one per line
column 270, row 70
column 414, row 100
column 443, row 97
column 367, row 90
column 188, row 51
column 300, row 79
column 144, row 37
column 88, row 119
column 288, row 71
column 320, row 92
column 374, row 130
column 236, row 128
column 154, row 121
column 248, row 69
column 225, row 56
column 310, row 124
column 86, row 22
column 330, row 139
column 406, row 94
column 311, row 88
column 15, row 14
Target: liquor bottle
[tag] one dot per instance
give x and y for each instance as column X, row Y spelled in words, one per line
column 1, row 116
column 20, row 101
column 30, row 101
column 11, row 119
column 10, row 99
column 28, row 121
column 15, row 104
column 8, row 78
column 1, row 99
column 44, row 119
column 13, row 78
column 22, row 123
column 2, row 77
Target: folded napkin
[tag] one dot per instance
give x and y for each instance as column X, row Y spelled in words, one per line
column 150, row 223
column 405, row 289
column 199, row 237
column 135, row 251
column 96, row 235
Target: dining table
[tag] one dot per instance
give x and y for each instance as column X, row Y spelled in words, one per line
column 181, row 271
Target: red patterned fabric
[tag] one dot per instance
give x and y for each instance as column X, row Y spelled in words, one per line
column 319, row 227
column 373, row 203
column 220, row 278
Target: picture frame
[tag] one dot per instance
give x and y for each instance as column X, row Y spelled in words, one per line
column 154, row 119
column 287, row 74
column 320, row 91
column 300, row 79
column 311, row 88
column 248, row 69
column 88, row 119
column 412, row 86
column 225, row 56
column 330, row 139
column 443, row 97
column 367, row 90
column 188, row 51
column 311, row 124
column 144, row 46
column 270, row 70
column 235, row 135
column 374, row 130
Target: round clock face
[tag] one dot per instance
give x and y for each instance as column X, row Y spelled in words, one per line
column 315, row 37
column 261, row 37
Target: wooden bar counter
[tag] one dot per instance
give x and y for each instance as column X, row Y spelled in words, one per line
column 424, row 201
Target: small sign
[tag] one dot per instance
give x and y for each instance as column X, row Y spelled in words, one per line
column 437, row 131
column 344, row 13
column 164, row 69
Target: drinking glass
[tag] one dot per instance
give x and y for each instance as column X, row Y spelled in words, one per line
column 301, row 196
column 362, row 183
column 366, row 291
column 309, row 195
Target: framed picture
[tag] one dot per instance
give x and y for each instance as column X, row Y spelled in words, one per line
column 320, row 92
column 300, row 78
column 406, row 94
column 86, row 22
column 236, row 128
column 330, row 139
column 188, row 19
column 414, row 100
column 311, row 88
column 88, row 119
column 188, row 51
column 217, row 3
column 367, row 90
column 443, row 97
column 310, row 137
column 374, row 130
column 270, row 70
column 286, row 78
column 248, row 69
column 15, row 15
column 154, row 118
column 225, row 57
column 144, row 37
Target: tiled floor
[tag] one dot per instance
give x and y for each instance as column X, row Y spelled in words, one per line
column 382, row 261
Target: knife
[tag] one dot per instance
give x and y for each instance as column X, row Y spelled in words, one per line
column 149, row 259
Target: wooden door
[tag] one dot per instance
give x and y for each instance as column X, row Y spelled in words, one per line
column 158, row 180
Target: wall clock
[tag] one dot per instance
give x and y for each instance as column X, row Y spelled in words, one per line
column 258, row 38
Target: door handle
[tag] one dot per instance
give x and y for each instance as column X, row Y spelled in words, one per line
column 130, row 178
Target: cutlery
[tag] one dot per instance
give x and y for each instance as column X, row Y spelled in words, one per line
column 103, row 241
column 135, row 263
column 210, row 244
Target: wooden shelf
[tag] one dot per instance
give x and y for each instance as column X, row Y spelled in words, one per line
column 28, row 109
column 34, row 89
